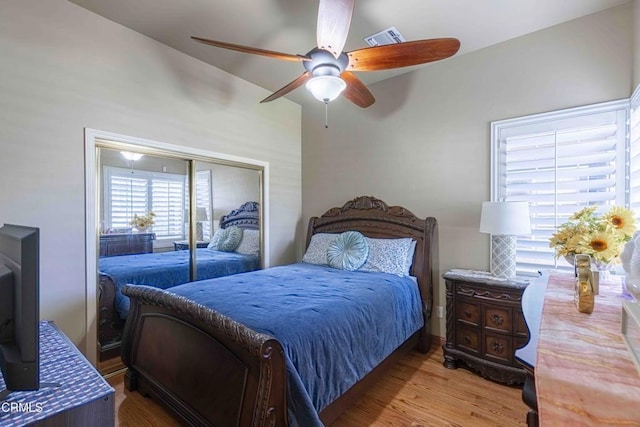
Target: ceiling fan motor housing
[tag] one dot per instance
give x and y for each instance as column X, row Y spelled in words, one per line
column 323, row 63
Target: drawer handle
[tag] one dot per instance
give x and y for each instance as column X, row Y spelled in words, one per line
column 497, row 346
column 467, row 313
column 497, row 319
column 467, row 339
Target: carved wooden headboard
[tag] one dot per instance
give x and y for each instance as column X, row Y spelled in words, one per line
column 246, row 216
column 374, row 218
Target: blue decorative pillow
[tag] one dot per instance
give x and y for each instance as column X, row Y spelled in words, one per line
column 349, row 251
column 213, row 243
column 229, row 239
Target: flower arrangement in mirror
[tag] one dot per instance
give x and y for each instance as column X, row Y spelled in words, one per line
column 142, row 222
column 602, row 237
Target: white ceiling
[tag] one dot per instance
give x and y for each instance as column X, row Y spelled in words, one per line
column 289, row 26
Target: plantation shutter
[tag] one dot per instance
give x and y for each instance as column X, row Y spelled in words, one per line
column 634, row 154
column 203, row 200
column 559, row 162
column 167, row 195
column 132, row 192
column 127, row 197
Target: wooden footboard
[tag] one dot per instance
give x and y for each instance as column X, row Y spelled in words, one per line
column 206, row 368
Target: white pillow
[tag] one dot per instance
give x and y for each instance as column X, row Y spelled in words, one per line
column 250, row 243
column 390, row 256
column 317, row 251
column 409, row 260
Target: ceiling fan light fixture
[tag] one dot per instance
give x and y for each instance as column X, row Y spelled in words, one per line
column 131, row 156
column 326, row 88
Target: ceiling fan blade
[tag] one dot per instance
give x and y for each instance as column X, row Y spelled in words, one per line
column 254, row 50
column 402, row 54
column 356, row 91
column 288, row 88
column 334, row 20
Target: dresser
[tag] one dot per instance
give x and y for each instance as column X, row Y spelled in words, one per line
column 126, row 243
column 580, row 370
column 72, row 392
column 485, row 325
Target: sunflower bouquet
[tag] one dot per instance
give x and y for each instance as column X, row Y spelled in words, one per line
column 601, row 237
column 143, row 221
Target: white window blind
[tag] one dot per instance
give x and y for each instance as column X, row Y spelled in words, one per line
column 634, row 153
column 204, row 198
column 559, row 162
column 129, row 192
column 166, row 202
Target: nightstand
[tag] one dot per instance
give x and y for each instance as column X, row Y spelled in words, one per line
column 182, row 245
column 485, row 324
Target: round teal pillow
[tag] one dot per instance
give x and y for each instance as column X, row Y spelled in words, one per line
column 229, row 239
column 349, row 251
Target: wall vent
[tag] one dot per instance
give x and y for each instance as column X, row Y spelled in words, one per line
column 388, row 36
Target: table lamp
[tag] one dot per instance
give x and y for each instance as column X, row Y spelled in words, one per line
column 201, row 215
column 504, row 221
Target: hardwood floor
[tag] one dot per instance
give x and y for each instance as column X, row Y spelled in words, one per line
column 417, row 391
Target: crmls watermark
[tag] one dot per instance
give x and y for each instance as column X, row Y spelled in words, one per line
column 23, row 407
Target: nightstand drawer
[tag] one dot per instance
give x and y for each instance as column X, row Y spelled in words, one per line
column 497, row 319
column 468, row 339
column 468, row 312
column 498, row 348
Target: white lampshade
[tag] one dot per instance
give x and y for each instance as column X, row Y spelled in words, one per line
column 505, row 218
column 326, row 88
column 201, row 214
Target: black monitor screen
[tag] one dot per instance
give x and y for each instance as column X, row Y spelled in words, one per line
column 19, row 306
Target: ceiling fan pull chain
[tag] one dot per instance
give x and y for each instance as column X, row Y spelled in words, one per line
column 326, row 114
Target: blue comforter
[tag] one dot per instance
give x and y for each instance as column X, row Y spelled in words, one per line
column 166, row 269
column 335, row 326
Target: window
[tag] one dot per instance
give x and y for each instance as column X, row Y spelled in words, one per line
column 129, row 192
column 204, row 211
column 634, row 153
column 560, row 162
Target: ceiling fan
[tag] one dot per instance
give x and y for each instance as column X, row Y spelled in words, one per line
column 329, row 70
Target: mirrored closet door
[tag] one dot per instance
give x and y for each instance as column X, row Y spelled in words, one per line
column 166, row 219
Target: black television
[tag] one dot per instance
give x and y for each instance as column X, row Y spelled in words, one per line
column 19, row 307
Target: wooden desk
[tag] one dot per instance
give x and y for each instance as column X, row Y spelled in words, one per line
column 584, row 374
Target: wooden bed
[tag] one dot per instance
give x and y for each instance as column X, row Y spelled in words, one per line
column 110, row 323
column 229, row 374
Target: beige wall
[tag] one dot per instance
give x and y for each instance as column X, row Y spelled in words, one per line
column 233, row 186
column 62, row 69
column 425, row 143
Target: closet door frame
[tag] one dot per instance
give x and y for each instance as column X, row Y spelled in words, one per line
column 96, row 139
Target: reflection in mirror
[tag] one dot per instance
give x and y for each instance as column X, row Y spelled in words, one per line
column 227, row 219
column 149, row 223
column 141, row 212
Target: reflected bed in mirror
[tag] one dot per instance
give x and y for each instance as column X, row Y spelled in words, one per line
column 167, row 269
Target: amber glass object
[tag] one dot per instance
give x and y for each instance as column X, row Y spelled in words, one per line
column 584, row 293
